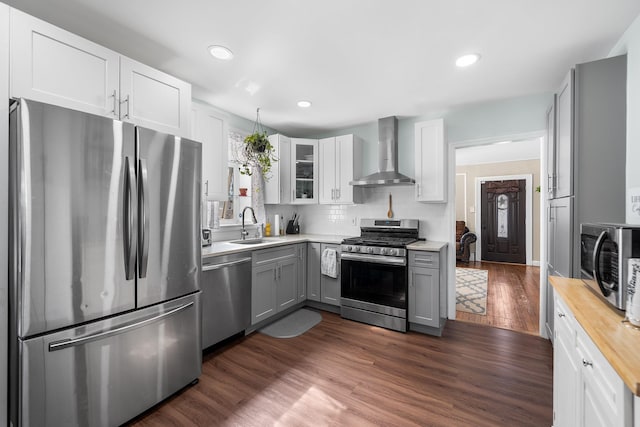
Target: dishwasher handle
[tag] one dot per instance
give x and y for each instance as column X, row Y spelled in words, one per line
column 211, row 267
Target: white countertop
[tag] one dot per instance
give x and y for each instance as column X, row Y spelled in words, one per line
column 427, row 245
column 225, row 248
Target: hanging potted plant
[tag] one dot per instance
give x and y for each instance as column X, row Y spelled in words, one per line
column 257, row 153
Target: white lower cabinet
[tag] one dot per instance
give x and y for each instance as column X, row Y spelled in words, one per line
column 273, row 281
column 587, row 391
column 566, row 372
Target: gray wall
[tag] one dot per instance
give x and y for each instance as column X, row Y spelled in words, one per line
column 486, row 120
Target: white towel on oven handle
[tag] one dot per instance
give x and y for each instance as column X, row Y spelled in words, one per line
column 329, row 263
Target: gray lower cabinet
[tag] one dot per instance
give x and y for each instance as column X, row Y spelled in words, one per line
column 321, row 288
column 301, row 249
column 330, row 287
column 263, row 292
column 313, row 271
column 424, row 296
column 427, row 296
column 286, row 283
column 274, row 281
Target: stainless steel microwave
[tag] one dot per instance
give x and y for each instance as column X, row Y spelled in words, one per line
column 605, row 250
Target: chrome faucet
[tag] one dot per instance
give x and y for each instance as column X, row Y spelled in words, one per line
column 244, row 233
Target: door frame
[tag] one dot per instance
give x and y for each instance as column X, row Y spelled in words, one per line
column 528, row 216
column 451, row 211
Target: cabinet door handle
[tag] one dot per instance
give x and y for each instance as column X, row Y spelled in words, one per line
column 418, row 189
column 115, row 100
column 275, row 273
column 561, row 315
column 586, row 363
column 206, row 188
column 337, row 194
column 126, row 116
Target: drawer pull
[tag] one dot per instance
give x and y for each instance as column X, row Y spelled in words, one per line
column 586, row 363
column 561, row 315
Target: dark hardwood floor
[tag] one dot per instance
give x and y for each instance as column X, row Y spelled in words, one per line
column 344, row 373
column 513, row 297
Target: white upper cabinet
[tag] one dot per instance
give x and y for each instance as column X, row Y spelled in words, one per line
column 304, row 171
column 153, row 99
column 210, row 128
column 430, row 161
column 51, row 65
column 278, row 182
column 340, row 162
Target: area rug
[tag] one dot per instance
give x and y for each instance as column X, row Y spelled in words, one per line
column 292, row 325
column 471, row 290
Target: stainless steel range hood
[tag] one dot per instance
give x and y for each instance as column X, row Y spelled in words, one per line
column 387, row 158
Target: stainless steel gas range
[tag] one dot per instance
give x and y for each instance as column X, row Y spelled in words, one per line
column 375, row 274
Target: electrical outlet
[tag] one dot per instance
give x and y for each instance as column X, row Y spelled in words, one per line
column 354, row 220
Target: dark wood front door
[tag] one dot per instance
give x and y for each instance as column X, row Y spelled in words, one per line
column 503, row 221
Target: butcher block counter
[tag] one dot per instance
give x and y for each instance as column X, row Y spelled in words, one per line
column 618, row 341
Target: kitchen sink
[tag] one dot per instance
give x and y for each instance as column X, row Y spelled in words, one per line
column 247, row 241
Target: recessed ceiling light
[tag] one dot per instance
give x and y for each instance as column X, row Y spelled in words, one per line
column 220, row 52
column 466, row 60
column 304, row 104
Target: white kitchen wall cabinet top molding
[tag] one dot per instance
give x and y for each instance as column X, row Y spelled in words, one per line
column 52, row 65
column 210, row 128
column 340, row 162
column 430, row 161
column 304, row 171
column 278, row 186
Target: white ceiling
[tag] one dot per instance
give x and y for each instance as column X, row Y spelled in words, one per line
column 356, row 60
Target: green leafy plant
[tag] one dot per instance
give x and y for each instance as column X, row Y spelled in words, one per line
column 257, row 153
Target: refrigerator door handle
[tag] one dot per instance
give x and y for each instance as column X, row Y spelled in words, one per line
column 130, row 219
column 72, row 342
column 143, row 229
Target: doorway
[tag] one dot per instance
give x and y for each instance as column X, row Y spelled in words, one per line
column 504, row 213
column 503, row 207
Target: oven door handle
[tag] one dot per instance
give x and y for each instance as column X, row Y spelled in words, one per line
column 377, row 259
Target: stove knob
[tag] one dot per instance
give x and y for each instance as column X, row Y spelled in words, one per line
column 369, row 250
column 393, row 252
column 348, row 248
column 383, row 251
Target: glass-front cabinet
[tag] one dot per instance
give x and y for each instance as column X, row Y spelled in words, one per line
column 304, row 154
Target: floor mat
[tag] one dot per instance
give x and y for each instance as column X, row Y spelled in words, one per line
column 471, row 290
column 296, row 323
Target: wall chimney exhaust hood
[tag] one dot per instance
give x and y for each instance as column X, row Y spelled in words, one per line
column 387, row 158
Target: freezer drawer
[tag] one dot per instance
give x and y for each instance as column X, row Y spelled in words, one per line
column 107, row 372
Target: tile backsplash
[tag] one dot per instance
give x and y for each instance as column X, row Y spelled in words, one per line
column 345, row 219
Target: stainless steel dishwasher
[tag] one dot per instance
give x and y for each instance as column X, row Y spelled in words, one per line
column 226, row 297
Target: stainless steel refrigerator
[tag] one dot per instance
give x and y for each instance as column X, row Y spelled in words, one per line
column 105, row 267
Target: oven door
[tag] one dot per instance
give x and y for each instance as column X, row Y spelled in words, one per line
column 376, row 280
